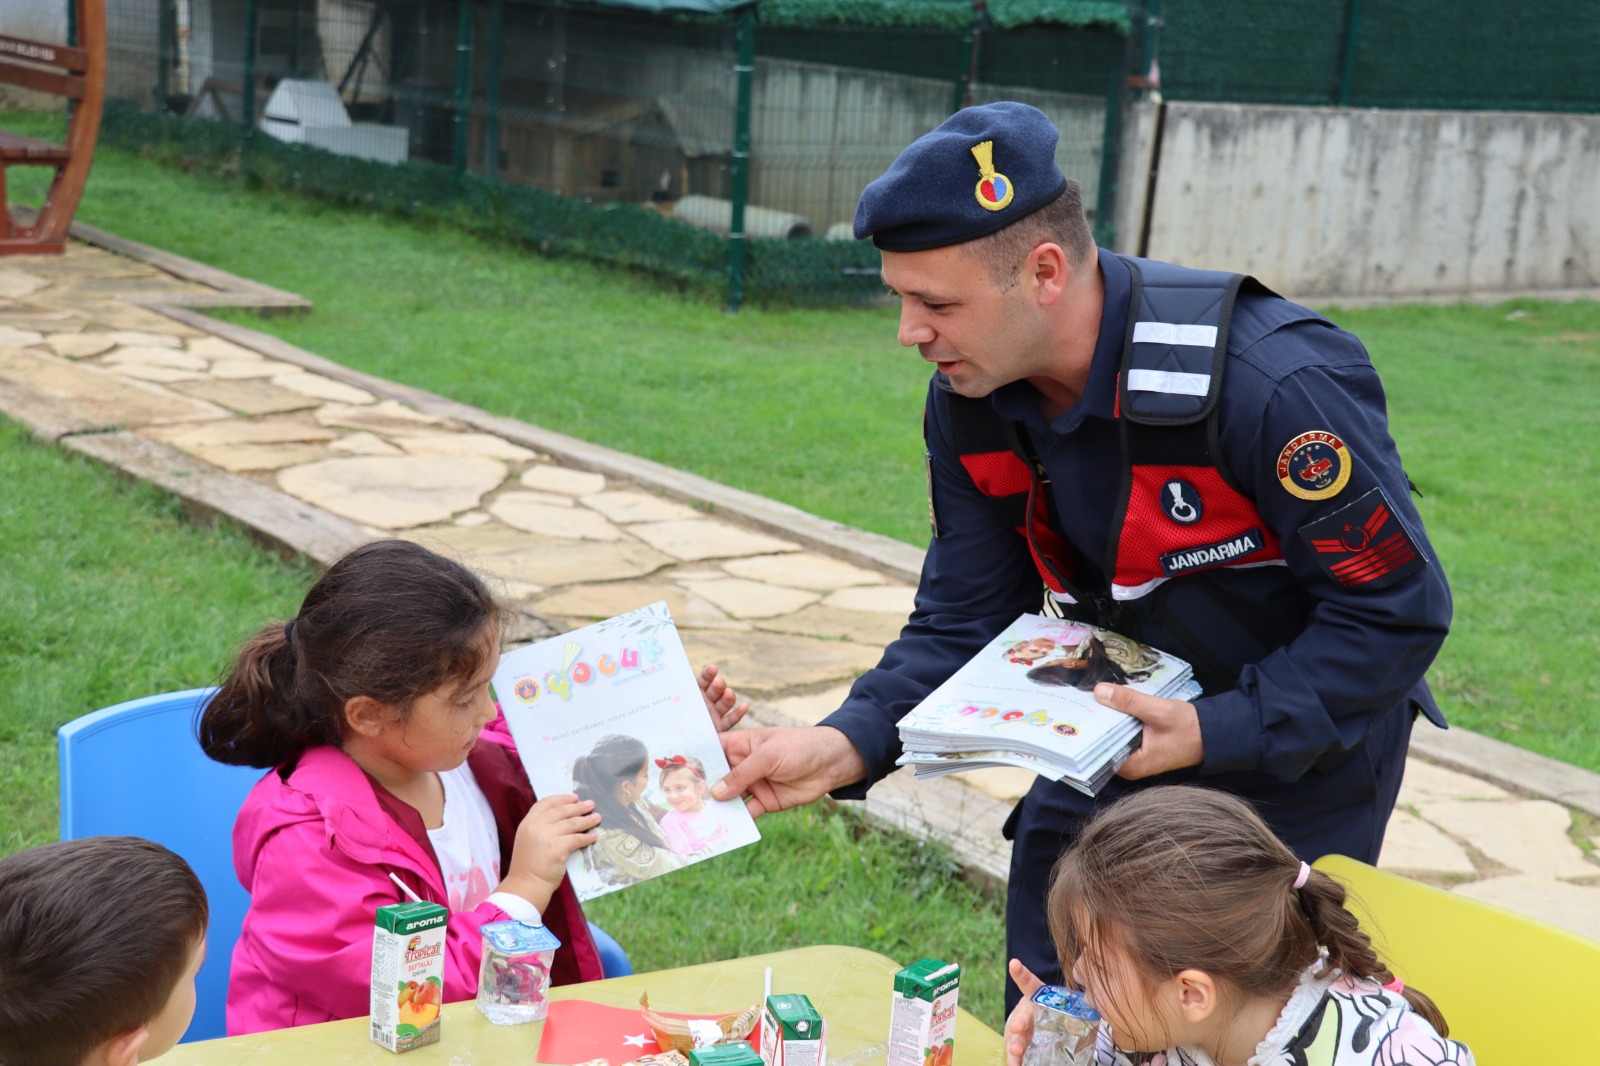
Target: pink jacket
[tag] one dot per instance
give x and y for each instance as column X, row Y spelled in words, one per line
column 314, row 845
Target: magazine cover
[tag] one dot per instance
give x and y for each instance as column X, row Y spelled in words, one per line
column 1027, row 700
column 613, row 712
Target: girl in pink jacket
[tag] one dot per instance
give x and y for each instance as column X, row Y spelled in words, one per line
column 387, row 756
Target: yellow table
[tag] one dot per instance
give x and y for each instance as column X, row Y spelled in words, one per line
column 850, row 987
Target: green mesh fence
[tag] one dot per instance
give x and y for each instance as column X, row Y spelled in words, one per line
column 609, row 133
column 1446, row 54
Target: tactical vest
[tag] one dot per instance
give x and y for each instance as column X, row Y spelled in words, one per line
column 1180, row 510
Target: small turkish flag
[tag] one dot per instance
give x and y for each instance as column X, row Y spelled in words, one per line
column 577, row 1030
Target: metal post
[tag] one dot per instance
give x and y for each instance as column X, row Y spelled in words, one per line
column 744, row 72
column 458, row 154
column 251, row 17
column 491, row 117
column 166, row 48
column 971, row 46
column 1347, row 65
column 1105, row 205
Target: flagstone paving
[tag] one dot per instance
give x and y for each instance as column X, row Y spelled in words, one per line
column 790, row 616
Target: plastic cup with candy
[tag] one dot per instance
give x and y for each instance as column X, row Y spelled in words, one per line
column 514, row 976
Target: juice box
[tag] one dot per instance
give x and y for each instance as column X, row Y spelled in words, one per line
column 922, row 1020
column 792, row 1033
column 734, row 1053
column 407, row 974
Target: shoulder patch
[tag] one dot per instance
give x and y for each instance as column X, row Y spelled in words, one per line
column 1314, row 465
column 1363, row 545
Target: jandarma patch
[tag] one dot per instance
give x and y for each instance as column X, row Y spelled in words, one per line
column 1217, row 553
column 1315, row 465
column 1363, row 545
column 994, row 190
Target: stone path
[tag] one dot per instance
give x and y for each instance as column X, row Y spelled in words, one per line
column 104, row 354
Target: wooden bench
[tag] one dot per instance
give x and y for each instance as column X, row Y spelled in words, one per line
column 78, row 74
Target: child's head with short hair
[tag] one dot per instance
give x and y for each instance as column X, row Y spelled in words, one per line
column 100, row 940
column 387, row 625
column 1024, row 652
column 1177, row 879
column 683, row 782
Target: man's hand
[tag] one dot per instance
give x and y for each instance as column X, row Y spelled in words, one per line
column 1171, row 731
column 1019, row 1026
column 786, row 766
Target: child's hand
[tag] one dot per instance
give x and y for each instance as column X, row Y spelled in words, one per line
column 1019, row 1026
column 722, row 703
column 553, row 829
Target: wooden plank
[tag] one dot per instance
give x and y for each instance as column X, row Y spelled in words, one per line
column 15, row 148
column 55, row 55
column 45, row 81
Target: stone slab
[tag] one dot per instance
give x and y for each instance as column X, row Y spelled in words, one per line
column 482, row 541
column 160, row 375
column 386, row 416
column 246, row 369
column 136, row 338
column 625, row 506
column 320, row 388
column 873, row 629
column 269, row 515
column 803, row 570
column 364, row 444
column 1529, row 836
column 1412, row 846
column 516, row 509
column 22, row 338
column 394, row 492
column 15, row 284
column 811, row 708
column 114, row 314
column 249, row 397
column 705, row 538
column 1509, row 766
column 96, row 396
column 1572, row 907
column 151, row 355
column 80, row 345
column 573, row 562
column 41, row 320
column 241, row 458
column 751, row 599
column 1004, row 784
column 45, row 416
column 767, row 663
column 547, row 477
column 463, row 444
column 593, row 602
column 1424, row 781
column 895, row 600
column 215, row 348
column 234, row 431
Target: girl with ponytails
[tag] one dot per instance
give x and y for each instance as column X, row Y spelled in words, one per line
column 390, row 773
column 1203, row 940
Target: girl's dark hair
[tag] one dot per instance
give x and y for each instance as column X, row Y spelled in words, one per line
column 390, row 620
column 615, row 759
column 1189, row 877
column 1098, row 667
column 62, row 994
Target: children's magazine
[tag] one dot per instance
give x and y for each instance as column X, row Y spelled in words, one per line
column 1027, row 700
column 613, row 712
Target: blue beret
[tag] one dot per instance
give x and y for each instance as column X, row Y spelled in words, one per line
column 981, row 170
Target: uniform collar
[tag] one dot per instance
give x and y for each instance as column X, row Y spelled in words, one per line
column 1020, row 401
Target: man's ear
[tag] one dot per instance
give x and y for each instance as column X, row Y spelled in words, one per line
column 122, row 1049
column 365, row 716
column 1047, row 269
column 1197, row 994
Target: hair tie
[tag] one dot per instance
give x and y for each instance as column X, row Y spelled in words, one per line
column 677, row 762
column 1304, row 874
column 1396, row 985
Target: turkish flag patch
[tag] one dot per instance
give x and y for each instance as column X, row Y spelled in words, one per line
column 577, row 1030
column 1363, row 545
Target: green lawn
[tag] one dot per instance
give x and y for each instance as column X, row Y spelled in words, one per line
column 122, row 596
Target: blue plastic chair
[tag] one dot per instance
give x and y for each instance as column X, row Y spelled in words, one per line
column 136, row 769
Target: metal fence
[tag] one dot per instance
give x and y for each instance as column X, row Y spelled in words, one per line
column 665, row 136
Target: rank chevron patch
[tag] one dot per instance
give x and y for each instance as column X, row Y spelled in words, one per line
column 1363, row 545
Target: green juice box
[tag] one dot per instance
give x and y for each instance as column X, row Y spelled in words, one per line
column 408, row 974
column 922, row 1020
column 734, row 1053
column 793, row 1033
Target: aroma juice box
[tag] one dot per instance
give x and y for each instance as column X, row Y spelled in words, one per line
column 793, row 1033
column 922, row 1021
column 408, row 974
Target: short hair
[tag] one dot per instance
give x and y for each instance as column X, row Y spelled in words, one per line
column 1060, row 221
column 94, row 936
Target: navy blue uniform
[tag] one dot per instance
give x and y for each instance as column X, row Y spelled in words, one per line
column 1311, row 682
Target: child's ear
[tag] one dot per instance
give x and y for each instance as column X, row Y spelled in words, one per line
column 1197, row 994
column 365, row 715
column 122, row 1049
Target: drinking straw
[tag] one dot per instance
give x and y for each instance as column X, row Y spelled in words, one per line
column 418, row 899
column 766, row 992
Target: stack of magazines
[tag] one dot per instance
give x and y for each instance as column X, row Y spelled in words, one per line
column 1027, row 700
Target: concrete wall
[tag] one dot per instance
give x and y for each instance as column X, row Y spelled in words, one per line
column 1322, row 202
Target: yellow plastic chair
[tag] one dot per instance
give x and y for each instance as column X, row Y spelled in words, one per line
column 1515, row 990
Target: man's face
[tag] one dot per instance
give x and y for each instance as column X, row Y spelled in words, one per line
column 977, row 334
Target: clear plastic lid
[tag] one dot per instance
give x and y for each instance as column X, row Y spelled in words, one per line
column 1066, row 1000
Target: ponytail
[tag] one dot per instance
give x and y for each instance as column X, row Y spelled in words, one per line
column 1323, row 900
column 390, row 620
